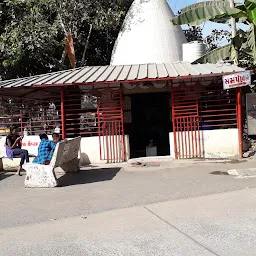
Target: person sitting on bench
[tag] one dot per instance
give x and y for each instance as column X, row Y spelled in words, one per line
column 13, row 147
column 45, row 150
column 56, row 137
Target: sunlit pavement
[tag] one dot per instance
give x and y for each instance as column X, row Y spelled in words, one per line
column 179, row 211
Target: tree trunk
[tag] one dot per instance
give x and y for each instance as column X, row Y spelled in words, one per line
column 83, row 61
column 64, row 53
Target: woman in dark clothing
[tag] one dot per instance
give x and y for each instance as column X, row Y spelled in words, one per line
column 13, row 147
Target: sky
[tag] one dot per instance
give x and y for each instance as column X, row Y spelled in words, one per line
column 176, row 5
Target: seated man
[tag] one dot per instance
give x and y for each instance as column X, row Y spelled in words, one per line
column 56, row 137
column 45, row 150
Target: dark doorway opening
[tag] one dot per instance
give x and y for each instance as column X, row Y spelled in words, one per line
column 151, row 120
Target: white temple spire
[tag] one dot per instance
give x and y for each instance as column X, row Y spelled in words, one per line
column 148, row 36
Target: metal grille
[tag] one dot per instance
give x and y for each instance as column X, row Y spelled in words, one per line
column 80, row 112
column 32, row 115
column 198, row 106
column 41, row 112
column 217, row 107
column 111, row 126
column 186, row 125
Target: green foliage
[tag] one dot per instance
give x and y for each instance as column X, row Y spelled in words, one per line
column 219, row 11
column 249, row 45
column 215, row 55
column 214, row 40
column 193, row 33
column 32, row 33
column 196, row 14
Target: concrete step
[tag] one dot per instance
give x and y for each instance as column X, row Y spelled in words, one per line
column 161, row 159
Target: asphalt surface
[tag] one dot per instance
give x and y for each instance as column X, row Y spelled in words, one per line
column 186, row 210
column 219, row 224
column 101, row 190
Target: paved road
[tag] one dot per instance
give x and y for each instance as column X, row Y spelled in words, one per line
column 175, row 211
column 107, row 189
column 219, row 224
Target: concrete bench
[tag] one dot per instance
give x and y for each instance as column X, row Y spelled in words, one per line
column 14, row 163
column 64, row 160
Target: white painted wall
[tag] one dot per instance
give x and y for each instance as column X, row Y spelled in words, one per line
column 30, row 143
column 215, row 143
column 90, row 150
column 221, row 143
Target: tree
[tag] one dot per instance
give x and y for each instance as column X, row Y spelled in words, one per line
column 32, row 33
column 220, row 11
column 216, row 39
column 194, row 33
column 213, row 41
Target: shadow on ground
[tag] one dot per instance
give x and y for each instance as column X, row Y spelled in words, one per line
column 89, row 176
column 219, row 173
column 5, row 175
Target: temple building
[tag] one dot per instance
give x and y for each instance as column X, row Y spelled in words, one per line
column 147, row 102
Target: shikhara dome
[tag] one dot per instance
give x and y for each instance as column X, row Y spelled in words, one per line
column 148, row 35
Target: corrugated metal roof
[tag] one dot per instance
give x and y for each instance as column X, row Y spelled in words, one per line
column 114, row 74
